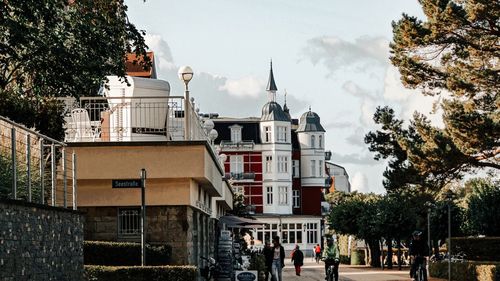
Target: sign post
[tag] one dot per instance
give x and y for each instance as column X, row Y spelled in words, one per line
column 143, row 217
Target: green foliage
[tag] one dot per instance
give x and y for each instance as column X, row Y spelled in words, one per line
column 477, row 249
column 466, row 271
column 60, row 48
column 239, row 206
column 138, row 273
column 123, row 253
column 258, row 262
column 483, row 212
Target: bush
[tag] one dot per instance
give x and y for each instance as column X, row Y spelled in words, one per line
column 357, row 257
column 466, row 271
column 138, row 273
column 123, row 253
column 477, row 249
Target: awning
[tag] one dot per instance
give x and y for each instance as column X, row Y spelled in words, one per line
column 239, row 222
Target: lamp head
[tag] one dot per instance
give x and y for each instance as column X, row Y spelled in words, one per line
column 185, row 74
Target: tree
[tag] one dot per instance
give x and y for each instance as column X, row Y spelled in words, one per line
column 455, row 54
column 59, row 48
column 483, row 213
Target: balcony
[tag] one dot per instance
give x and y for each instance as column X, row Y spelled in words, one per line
column 240, row 177
column 117, row 119
column 241, row 145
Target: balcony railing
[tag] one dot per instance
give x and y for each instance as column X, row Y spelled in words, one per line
column 240, row 176
column 116, row 119
column 245, row 145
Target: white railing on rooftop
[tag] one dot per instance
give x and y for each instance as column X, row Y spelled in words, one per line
column 118, row 119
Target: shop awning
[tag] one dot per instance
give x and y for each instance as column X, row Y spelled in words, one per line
column 240, row 222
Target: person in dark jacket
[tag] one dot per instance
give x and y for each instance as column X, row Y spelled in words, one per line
column 268, row 255
column 278, row 259
column 418, row 251
column 297, row 259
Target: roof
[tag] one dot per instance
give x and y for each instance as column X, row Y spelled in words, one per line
column 272, row 111
column 271, row 85
column 134, row 68
column 310, row 122
column 249, row 132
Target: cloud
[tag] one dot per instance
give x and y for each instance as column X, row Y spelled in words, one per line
column 355, row 90
column 354, row 158
column 163, row 55
column 359, row 183
column 357, row 138
column 338, row 125
column 336, row 53
column 248, row 86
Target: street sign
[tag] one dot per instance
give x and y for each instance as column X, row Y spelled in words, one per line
column 131, row 183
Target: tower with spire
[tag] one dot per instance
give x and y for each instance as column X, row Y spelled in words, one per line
column 275, row 128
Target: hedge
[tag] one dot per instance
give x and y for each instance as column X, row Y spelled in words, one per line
column 477, row 249
column 124, row 253
column 466, row 271
column 138, row 273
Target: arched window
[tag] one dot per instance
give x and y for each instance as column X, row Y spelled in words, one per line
column 313, row 141
column 320, row 141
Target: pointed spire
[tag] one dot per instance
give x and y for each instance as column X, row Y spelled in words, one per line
column 285, row 108
column 271, row 85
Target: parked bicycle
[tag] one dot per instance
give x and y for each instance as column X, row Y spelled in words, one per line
column 209, row 271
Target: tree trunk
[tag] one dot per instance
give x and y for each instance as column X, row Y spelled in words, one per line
column 389, row 253
column 398, row 241
column 374, row 253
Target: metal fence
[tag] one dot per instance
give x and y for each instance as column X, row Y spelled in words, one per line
column 35, row 168
column 103, row 119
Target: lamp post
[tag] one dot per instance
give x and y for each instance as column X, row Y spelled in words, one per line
column 449, row 197
column 429, row 206
column 186, row 74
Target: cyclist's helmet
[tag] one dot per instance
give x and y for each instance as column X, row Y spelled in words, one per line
column 417, row 233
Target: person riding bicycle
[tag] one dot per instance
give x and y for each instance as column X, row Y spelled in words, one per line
column 331, row 256
column 418, row 251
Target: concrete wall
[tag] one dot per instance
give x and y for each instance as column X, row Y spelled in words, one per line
column 39, row 242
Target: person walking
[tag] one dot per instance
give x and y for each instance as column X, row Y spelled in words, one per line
column 278, row 260
column 297, row 259
column 317, row 252
column 268, row 256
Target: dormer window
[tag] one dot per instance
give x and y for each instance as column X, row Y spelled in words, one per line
column 235, row 133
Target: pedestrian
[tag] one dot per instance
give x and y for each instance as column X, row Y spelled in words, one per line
column 278, row 259
column 317, row 252
column 297, row 259
column 268, row 256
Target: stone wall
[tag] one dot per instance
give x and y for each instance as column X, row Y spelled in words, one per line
column 39, row 242
column 184, row 228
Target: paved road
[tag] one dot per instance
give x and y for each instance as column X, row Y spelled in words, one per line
column 315, row 272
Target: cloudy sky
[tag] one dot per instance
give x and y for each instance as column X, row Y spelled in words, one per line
column 331, row 55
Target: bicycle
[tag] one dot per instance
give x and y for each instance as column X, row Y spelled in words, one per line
column 330, row 272
column 420, row 272
column 210, row 270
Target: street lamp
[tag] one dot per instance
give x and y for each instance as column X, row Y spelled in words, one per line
column 429, row 206
column 449, row 198
column 186, row 74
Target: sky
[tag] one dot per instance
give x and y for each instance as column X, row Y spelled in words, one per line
column 331, row 55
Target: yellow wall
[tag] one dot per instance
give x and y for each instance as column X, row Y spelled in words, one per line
column 173, row 173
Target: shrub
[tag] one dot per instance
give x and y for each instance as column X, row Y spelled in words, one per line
column 123, row 253
column 345, row 259
column 477, row 249
column 139, row 273
column 466, row 271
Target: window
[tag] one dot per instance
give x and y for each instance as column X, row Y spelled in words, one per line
column 312, row 233
column 269, row 195
column 282, row 164
column 268, row 135
column 291, row 233
column 296, row 198
column 235, row 133
column 269, row 164
column 236, row 164
column 313, row 141
column 283, row 195
column 281, row 134
column 321, row 168
column 313, row 168
column 267, row 233
column 129, row 224
column 320, row 141
column 295, row 168
column 239, row 189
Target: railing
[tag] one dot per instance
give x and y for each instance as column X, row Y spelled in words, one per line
column 131, row 119
column 248, row 145
column 240, row 176
column 35, row 168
